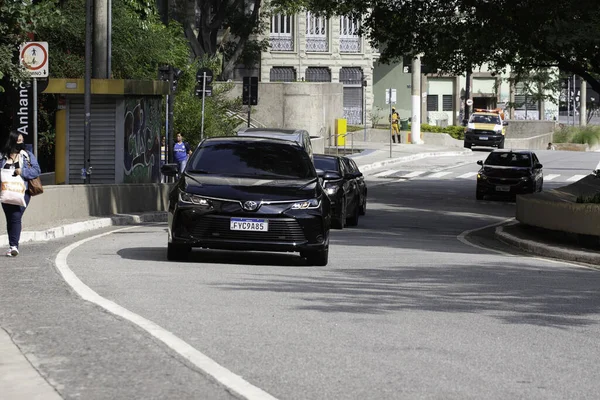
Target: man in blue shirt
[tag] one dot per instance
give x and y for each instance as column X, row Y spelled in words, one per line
column 181, row 152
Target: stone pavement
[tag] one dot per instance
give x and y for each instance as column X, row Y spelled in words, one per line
column 19, row 380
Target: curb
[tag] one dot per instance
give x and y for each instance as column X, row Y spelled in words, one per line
column 85, row 226
column 545, row 250
column 401, row 159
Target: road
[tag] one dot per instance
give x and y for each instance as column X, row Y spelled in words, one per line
column 417, row 302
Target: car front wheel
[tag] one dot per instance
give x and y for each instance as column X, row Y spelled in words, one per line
column 177, row 252
column 318, row 258
column 340, row 221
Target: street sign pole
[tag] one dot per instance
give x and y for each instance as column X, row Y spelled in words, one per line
column 35, row 119
column 203, row 98
column 249, row 110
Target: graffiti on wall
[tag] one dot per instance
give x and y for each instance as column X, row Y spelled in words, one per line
column 142, row 140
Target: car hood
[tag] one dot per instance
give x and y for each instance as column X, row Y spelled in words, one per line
column 236, row 188
column 484, row 127
column 506, row 172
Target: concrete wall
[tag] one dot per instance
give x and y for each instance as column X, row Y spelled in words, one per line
column 69, row 202
column 302, row 105
column 557, row 210
column 525, row 129
column 539, row 142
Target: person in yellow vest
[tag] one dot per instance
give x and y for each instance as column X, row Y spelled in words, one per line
column 395, row 120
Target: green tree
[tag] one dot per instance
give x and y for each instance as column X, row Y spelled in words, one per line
column 17, row 20
column 456, row 35
column 140, row 42
column 226, row 28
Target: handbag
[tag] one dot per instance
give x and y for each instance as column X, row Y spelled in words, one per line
column 34, row 186
column 12, row 188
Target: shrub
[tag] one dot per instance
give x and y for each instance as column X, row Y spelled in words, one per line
column 582, row 135
column 595, row 199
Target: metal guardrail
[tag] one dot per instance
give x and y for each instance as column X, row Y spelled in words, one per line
column 344, row 135
column 253, row 123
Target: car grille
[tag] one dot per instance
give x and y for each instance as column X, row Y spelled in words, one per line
column 217, row 227
column 484, row 132
column 504, row 181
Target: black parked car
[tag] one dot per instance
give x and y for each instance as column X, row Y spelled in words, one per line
column 243, row 193
column 342, row 188
column 360, row 181
column 509, row 172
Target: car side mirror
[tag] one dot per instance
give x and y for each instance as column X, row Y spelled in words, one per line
column 479, row 162
column 538, row 166
column 331, row 175
column 169, row 170
column 505, row 123
column 320, row 173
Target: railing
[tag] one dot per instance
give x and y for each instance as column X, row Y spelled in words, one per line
column 281, row 42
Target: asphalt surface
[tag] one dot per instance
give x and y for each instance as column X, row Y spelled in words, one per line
column 419, row 301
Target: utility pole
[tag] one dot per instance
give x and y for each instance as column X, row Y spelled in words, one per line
column 467, row 108
column 583, row 103
column 415, row 128
column 100, row 32
column 87, row 92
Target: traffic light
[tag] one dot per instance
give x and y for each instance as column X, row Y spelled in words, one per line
column 250, row 91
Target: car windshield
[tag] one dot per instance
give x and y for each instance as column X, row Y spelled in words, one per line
column 326, row 164
column 509, row 159
column 485, row 119
column 252, row 158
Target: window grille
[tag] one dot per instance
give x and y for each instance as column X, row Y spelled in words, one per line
column 447, row 101
column 349, row 38
column 432, row 102
column 316, row 33
column 283, row 74
column 281, row 36
column 318, row 74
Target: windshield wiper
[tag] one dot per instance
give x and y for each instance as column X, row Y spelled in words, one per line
column 198, row 171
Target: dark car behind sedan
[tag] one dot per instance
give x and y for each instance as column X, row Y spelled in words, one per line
column 507, row 172
column 244, row 193
column 342, row 188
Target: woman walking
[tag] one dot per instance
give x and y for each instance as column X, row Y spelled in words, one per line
column 14, row 156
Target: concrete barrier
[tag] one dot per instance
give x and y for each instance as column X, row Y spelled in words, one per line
column 558, row 210
column 539, row 142
column 63, row 203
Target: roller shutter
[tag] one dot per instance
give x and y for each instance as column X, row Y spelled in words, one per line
column 102, row 157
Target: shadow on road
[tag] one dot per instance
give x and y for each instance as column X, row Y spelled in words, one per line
column 203, row 256
column 512, row 292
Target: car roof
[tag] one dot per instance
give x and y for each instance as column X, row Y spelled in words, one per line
column 485, row 113
column 513, row 151
column 249, row 139
column 326, row 156
column 274, row 130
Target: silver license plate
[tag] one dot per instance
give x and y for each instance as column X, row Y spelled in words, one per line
column 502, row 188
column 483, row 138
column 249, row 224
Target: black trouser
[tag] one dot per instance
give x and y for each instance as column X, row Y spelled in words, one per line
column 14, row 217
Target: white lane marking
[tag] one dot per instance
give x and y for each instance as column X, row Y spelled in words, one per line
column 550, row 177
column 226, row 378
column 467, row 175
column 385, row 173
column 413, row 174
column 575, row 178
column 463, row 238
column 438, row 174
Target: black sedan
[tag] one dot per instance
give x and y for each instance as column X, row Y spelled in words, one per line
column 242, row 193
column 342, row 188
column 360, row 182
column 507, row 172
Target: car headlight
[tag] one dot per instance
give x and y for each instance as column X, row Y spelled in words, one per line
column 188, row 198
column 304, row 205
column 469, row 130
column 498, row 131
column 331, row 190
column 481, row 176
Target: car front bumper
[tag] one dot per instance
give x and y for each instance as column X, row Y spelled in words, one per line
column 499, row 187
column 483, row 139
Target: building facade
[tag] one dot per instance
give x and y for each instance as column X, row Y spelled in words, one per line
column 310, row 48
